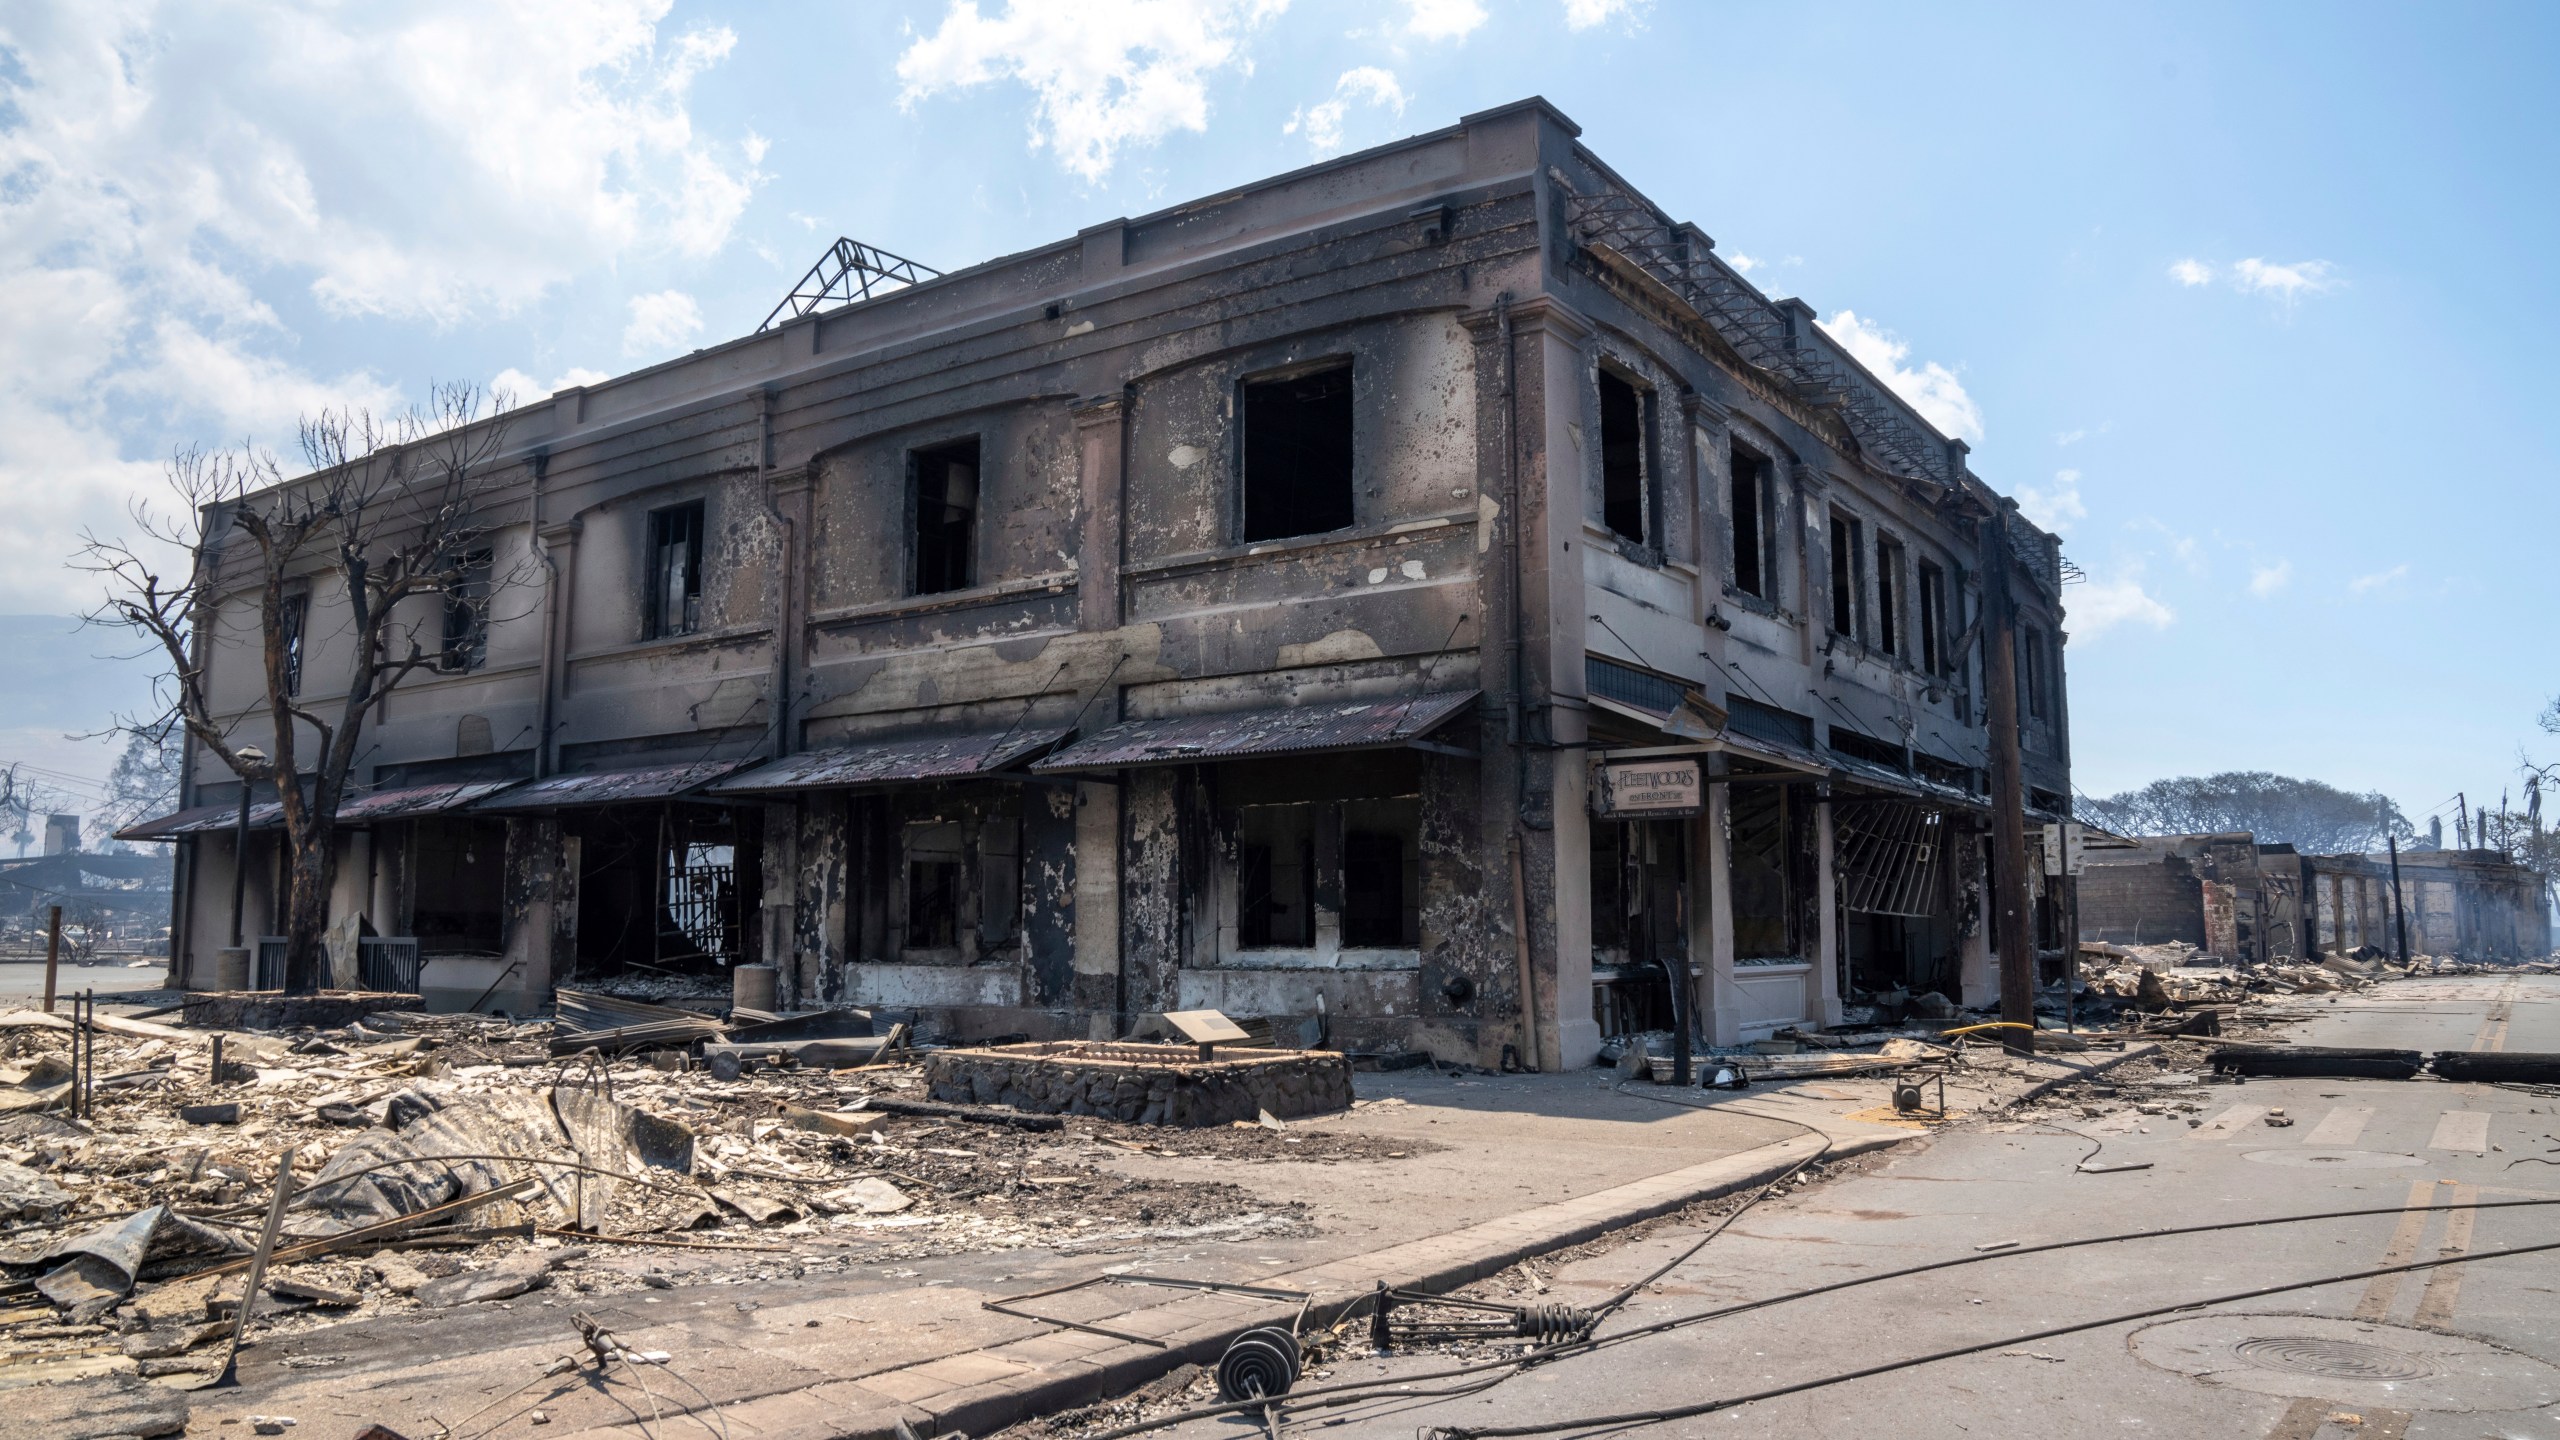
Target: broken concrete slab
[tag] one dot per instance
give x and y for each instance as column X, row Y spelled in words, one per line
column 505, row 1280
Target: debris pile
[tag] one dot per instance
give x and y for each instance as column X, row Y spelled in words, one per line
column 433, row 1161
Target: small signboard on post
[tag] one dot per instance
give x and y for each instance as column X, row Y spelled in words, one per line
column 1670, row 788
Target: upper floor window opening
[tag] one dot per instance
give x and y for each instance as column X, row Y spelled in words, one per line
column 1933, row 618
column 1298, row 454
column 1848, row 575
column 675, row 571
column 2038, row 677
column 1750, row 514
column 466, row 613
column 1625, row 458
column 1889, row 596
column 945, row 538
column 292, row 621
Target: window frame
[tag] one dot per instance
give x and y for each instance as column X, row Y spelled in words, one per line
column 1929, row 598
column 918, row 457
column 1848, row 576
column 1242, row 505
column 661, row 523
column 1327, row 886
column 1648, row 465
column 1893, row 562
column 468, row 599
column 293, row 624
column 1749, row 471
column 2037, row 681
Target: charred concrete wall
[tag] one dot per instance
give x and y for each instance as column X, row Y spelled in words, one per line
column 1500, row 523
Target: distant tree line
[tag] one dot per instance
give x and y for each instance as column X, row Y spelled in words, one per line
column 2312, row 817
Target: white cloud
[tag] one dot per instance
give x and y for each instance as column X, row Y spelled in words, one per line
column 2378, row 580
column 2266, row 580
column 1322, row 123
column 523, row 389
column 2054, row 508
column 1739, row 261
column 1103, row 73
column 1933, row 389
column 661, row 322
column 169, row 165
column 2103, row 604
column 1442, row 19
column 2285, row 282
column 1584, row 14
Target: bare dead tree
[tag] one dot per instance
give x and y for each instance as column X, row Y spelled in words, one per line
column 390, row 510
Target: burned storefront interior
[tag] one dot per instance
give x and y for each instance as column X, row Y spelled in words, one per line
column 1430, row 601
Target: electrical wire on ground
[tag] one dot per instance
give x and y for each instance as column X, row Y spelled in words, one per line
column 1354, row 1391
column 1597, row 1423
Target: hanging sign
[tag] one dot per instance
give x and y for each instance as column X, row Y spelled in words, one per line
column 1647, row 789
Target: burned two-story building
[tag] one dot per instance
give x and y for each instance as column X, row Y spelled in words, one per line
column 1430, row 591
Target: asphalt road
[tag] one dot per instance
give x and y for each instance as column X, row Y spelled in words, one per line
column 2463, row 1351
column 22, row 983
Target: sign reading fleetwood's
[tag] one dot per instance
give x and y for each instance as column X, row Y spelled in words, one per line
column 1646, row 789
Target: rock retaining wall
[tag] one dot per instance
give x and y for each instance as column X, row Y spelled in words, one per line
column 275, row 1010
column 1145, row 1084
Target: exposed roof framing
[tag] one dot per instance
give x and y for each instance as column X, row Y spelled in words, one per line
column 849, row 271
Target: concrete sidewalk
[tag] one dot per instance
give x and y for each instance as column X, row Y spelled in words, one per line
column 811, row 1359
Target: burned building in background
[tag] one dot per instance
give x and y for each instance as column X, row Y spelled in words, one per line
column 2230, row 896
column 1431, row 591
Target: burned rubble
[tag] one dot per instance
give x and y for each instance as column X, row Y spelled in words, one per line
column 438, row 1161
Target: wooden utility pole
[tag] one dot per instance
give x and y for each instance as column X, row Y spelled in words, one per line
column 52, row 955
column 2013, row 936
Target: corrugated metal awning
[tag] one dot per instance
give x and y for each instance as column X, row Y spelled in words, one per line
column 410, row 801
column 608, row 787
column 205, row 820
column 1886, row 780
column 1238, row 735
column 911, row 761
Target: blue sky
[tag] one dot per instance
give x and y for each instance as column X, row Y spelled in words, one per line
column 2244, row 300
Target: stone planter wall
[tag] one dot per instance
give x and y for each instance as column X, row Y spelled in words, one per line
column 1144, row 1084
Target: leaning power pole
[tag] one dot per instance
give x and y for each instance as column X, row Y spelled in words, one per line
column 2013, row 935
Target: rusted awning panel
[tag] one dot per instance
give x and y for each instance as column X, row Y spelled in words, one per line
column 911, row 761
column 1180, row 739
column 1883, row 779
column 203, row 819
column 608, row 787
column 410, row 801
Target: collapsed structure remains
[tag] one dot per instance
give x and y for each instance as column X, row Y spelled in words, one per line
column 1430, row 591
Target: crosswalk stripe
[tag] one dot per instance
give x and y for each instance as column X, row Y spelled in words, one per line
column 2238, row 1117
column 2341, row 1128
column 2462, row 1130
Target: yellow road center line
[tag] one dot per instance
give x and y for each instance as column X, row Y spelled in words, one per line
column 2381, row 1290
column 2444, row 1286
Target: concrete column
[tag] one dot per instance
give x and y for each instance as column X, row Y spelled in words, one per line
column 1095, row 990
column 1101, row 457
column 778, row 912
column 532, row 879
column 1825, row 990
column 1721, row 998
column 1573, row 1036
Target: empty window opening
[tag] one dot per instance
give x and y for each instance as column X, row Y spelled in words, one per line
column 1846, row 563
column 1933, row 618
column 699, row 918
column 1622, row 458
column 946, row 517
column 1275, row 877
column 1763, row 906
column 1381, row 876
column 1297, row 455
column 675, row 571
column 1329, row 873
column 2038, row 681
column 1888, row 596
column 937, row 861
column 466, row 613
column 291, row 622
column 1750, row 539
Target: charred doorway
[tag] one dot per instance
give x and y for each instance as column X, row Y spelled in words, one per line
column 673, row 889
column 456, row 873
column 1890, row 861
column 1640, row 925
